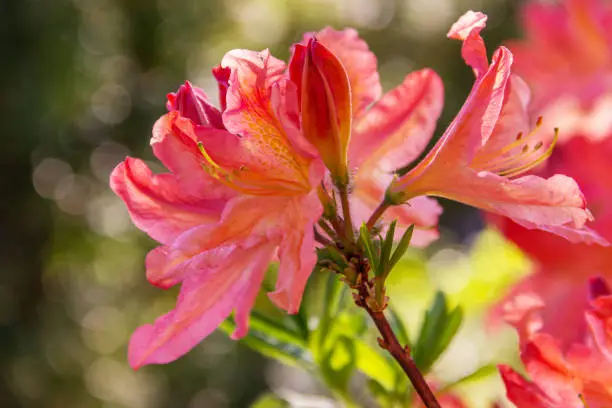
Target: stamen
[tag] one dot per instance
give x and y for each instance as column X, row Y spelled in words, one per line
column 506, row 164
column 509, row 147
column 528, row 166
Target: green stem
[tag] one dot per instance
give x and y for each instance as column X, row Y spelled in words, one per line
column 378, row 212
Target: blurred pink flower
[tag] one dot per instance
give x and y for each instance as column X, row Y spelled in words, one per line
column 566, row 58
column 240, row 193
column 487, row 146
column 388, row 131
column 562, row 269
column 580, row 377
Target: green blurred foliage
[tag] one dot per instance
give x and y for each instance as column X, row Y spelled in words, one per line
column 81, row 85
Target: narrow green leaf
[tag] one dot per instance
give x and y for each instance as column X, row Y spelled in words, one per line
column 402, row 247
column 269, row 347
column 432, row 326
column 331, row 302
column 366, row 240
column 385, row 252
column 276, row 329
column 483, row 372
column 451, row 326
column 399, row 328
column 332, row 254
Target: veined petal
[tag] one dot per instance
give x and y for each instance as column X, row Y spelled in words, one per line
column 157, row 203
column 244, row 219
column 250, row 114
column 206, row 299
column 555, row 204
column 296, row 253
column 359, row 63
column 396, row 130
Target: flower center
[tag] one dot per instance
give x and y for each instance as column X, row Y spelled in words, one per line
column 517, row 157
column 250, row 181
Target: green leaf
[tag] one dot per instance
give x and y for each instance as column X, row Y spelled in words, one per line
column 269, row 346
column 451, row 327
column 402, row 247
column 338, row 363
column 332, row 254
column 331, row 307
column 399, row 328
column 276, row 329
column 385, row 252
column 375, row 366
column 366, row 240
column 438, row 329
column 270, row 401
column 483, row 372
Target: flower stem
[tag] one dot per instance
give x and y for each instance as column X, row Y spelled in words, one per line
column 402, row 356
column 346, row 211
column 378, row 212
column 389, row 342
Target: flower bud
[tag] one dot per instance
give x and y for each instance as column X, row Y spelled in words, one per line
column 325, row 99
column 192, row 103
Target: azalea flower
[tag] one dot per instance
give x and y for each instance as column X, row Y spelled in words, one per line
column 240, row 194
column 560, row 269
column 566, row 61
column 480, row 157
column 387, row 131
column 566, row 58
column 580, row 377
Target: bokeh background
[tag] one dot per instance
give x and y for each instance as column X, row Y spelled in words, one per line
column 81, row 84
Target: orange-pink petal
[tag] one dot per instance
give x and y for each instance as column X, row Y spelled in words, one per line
column 296, row 251
column 206, row 299
column 396, row 130
column 157, row 203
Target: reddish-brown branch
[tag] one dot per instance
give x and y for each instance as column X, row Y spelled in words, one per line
column 389, row 341
column 402, row 356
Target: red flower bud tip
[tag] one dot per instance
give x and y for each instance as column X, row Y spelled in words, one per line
column 192, row 103
column 598, row 287
column 325, row 98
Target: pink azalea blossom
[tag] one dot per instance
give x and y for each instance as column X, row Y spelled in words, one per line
column 580, row 377
column 566, row 58
column 240, row 193
column 388, row 131
column 561, row 269
column 487, row 147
